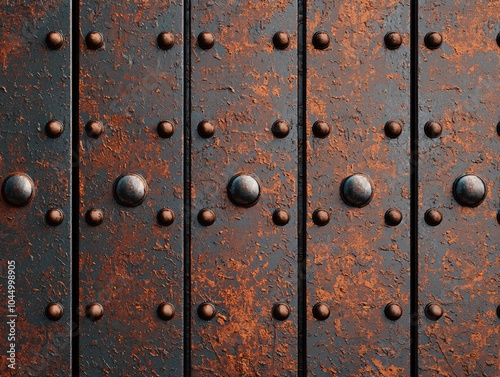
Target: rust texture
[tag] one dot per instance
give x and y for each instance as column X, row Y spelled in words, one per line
column 129, row 263
column 35, row 84
column 356, row 263
column 458, row 259
column 244, row 263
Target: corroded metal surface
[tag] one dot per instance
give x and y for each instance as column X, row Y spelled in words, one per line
column 356, row 263
column 130, row 264
column 243, row 263
column 459, row 267
column 35, row 84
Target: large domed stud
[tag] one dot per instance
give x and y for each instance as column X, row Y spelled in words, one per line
column 357, row 190
column 469, row 190
column 18, row 189
column 130, row 190
column 243, row 190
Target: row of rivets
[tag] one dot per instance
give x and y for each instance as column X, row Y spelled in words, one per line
column 392, row 217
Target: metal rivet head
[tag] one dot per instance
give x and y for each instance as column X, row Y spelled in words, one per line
column 393, row 217
column 469, row 190
column 243, row 190
column 165, row 217
column 206, row 129
column 321, row 129
column 54, row 311
column 94, row 129
column 281, row 217
column 54, row 40
column 393, row 311
column 433, row 129
column 94, row 311
column 281, row 40
column 94, row 217
column 206, row 311
column 94, row 40
column 321, row 40
column 393, row 40
column 433, row 217
column 130, row 190
column 53, row 129
column 165, row 40
column 357, row 190
column 280, row 129
column 393, row 129
column 206, row 217
column 281, row 311
column 17, row 189
column 321, row 311
column 321, row 217
column 165, row 311
column 165, row 129
column 54, row 217
column 206, row 40
column 433, row 311
column 433, row 40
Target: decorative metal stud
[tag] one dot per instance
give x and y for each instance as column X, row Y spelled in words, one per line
column 165, row 311
column 393, row 40
column 433, row 217
column 206, row 129
column 54, row 40
column 94, row 217
column 321, row 129
column 433, row 40
column 206, row 217
column 281, row 311
column 206, row 311
column 321, row 40
column 243, row 190
column 130, row 190
column 433, row 311
column 469, row 190
column 18, row 189
column 321, row 217
column 165, row 40
column 281, row 40
column 433, row 129
column 54, row 217
column 54, row 311
column 281, row 217
column 165, row 217
column 206, row 40
column 393, row 311
column 94, row 40
column 393, row 217
column 94, row 129
column 357, row 190
column 321, row 311
column 94, row 311
column 280, row 129
column 165, row 129
column 53, row 129
column 393, row 129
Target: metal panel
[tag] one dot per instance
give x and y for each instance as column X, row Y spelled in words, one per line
column 35, row 85
column 458, row 258
column 243, row 264
column 129, row 263
column 356, row 262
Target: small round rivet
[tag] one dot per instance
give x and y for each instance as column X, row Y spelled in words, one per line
column 321, row 40
column 165, row 217
column 94, row 217
column 206, row 129
column 357, row 190
column 280, row 129
column 53, row 129
column 321, row 311
column 54, row 217
column 393, row 40
column 17, row 189
column 281, row 40
column 498, row 311
column 165, row 129
column 433, row 129
column 165, row 40
column 130, row 190
column 243, row 190
column 321, row 129
column 94, row 129
column 206, row 40
column 393, row 217
column 433, row 217
column 206, row 217
column 54, row 40
column 433, row 311
column 206, row 311
column 54, row 311
column 165, row 311
column 321, row 217
column 469, row 190
column 433, row 40
column 94, row 40
column 281, row 311
column 393, row 311
column 281, row 217
column 94, row 311
column 393, row 129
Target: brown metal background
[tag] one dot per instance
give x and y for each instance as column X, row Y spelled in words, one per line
column 459, row 266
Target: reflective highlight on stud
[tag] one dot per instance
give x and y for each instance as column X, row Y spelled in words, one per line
column 393, row 129
column 165, row 129
column 54, row 40
column 94, row 217
column 393, row 311
column 206, row 40
column 206, row 311
column 281, row 311
column 54, row 311
column 18, row 189
column 243, row 190
column 206, row 217
column 165, row 311
column 165, row 217
column 321, row 311
column 130, row 190
column 469, row 190
column 94, row 40
column 321, row 40
column 206, row 129
column 433, row 217
column 94, row 129
column 433, row 311
column 433, row 40
column 281, row 40
column 54, row 129
column 165, row 40
column 54, row 217
column 357, row 190
column 94, row 311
